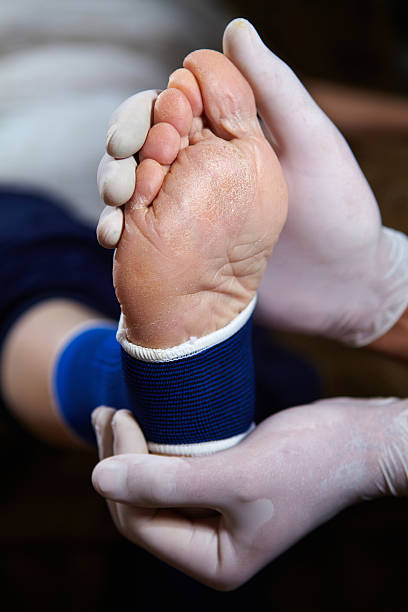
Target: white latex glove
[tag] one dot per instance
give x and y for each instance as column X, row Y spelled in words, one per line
column 336, row 270
column 295, row 471
column 116, row 179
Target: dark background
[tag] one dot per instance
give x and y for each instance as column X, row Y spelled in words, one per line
column 59, row 548
column 361, row 42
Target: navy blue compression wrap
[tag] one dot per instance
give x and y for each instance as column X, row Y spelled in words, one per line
column 205, row 397
column 89, row 374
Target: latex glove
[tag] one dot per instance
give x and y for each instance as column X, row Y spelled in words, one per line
column 116, row 178
column 336, row 270
column 295, row 471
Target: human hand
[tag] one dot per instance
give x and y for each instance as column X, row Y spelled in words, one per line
column 208, row 207
column 296, row 470
column 336, row 270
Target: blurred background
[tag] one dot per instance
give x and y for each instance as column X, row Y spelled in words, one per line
column 64, row 66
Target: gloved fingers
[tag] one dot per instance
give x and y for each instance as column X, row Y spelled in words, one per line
column 130, row 123
column 116, row 179
column 101, row 421
column 191, row 545
column 285, row 106
column 152, row 481
column 127, row 435
column 110, row 227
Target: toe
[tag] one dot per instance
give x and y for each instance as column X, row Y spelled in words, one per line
column 149, row 179
column 174, row 108
column 229, row 103
column 185, row 81
column 162, row 144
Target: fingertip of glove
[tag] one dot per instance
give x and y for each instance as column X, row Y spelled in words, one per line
column 109, row 137
column 236, row 28
column 116, row 180
column 130, row 124
column 238, row 22
column 110, row 226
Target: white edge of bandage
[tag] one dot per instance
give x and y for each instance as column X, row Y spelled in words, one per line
column 187, row 349
column 200, row 448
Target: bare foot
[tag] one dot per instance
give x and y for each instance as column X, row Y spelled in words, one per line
column 208, row 207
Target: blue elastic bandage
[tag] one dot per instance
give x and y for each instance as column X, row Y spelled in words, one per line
column 88, row 374
column 205, row 397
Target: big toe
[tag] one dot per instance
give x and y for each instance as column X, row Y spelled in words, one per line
column 229, row 103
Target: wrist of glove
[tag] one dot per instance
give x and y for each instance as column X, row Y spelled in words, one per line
column 386, row 298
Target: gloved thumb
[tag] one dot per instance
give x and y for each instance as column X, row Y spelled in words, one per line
column 285, row 106
column 152, row 481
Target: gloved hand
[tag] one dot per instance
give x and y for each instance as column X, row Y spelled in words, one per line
column 295, row 471
column 336, row 270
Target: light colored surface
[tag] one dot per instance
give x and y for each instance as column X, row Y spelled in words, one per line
column 64, row 67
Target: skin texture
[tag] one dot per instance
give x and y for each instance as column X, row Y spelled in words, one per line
column 299, row 468
column 192, row 254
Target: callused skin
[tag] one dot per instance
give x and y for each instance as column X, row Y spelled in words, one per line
column 191, row 259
